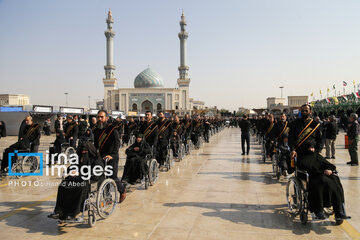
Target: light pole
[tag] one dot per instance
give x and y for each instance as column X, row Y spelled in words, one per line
column 281, row 89
column 66, row 96
column 89, row 101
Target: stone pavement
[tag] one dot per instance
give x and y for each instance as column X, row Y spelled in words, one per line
column 215, row 193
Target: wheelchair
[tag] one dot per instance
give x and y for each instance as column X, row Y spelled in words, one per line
column 181, row 151
column 275, row 160
column 65, row 149
column 131, row 139
column 297, row 194
column 24, row 164
column 101, row 201
column 263, row 149
column 189, row 146
column 169, row 161
column 199, row 142
column 150, row 177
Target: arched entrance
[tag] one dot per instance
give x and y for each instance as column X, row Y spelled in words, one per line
column 146, row 106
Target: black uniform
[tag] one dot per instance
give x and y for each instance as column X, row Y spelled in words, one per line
column 245, row 126
column 164, row 134
column 150, row 131
column 107, row 142
column 71, row 130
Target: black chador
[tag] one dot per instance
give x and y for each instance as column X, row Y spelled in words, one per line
column 164, row 134
column 107, row 142
column 135, row 165
column 324, row 191
column 73, row 191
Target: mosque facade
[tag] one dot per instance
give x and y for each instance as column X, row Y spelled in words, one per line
column 148, row 93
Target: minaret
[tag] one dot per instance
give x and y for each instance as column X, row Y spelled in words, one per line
column 109, row 81
column 183, row 80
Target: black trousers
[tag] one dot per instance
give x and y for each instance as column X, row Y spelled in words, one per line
column 115, row 164
column 245, row 138
column 161, row 151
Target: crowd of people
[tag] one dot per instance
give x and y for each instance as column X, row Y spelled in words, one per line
column 300, row 140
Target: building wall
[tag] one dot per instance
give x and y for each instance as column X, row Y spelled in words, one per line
column 14, row 99
column 297, row 101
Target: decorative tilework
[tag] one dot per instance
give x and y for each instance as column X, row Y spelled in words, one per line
column 148, row 79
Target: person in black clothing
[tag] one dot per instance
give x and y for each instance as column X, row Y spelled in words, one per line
column 197, row 129
column 129, row 129
column 135, row 165
column 164, row 134
column 71, row 131
column 29, row 137
column 187, row 128
column 74, row 189
column 245, row 126
column 325, row 189
column 207, row 126
column 331, row 130
column 107, row 142
column 150, row 130
column 82, row 125
column 2, row 129
column 353, row 136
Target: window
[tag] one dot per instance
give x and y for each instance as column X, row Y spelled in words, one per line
column 134, row 107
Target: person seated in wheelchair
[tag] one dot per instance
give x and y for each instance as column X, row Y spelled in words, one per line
column 135, row 165
column 284, row 157
column 324, row 187
column 88, row 136
column 29, row 140
column 175, row 141
column 75, row 188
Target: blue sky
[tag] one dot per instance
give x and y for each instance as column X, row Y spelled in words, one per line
column 239, row 52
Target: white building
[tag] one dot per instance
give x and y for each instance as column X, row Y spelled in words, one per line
column 14, row 99
column 148, row 93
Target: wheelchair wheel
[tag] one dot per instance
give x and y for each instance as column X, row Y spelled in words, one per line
column 69, row 151
column 171, row 158
column 16, row 167
column 275, row 166
column 92, row 218
column 182, row 151
column 30, row 164
column 106, row 199
column 294, row 196
column 153, row 171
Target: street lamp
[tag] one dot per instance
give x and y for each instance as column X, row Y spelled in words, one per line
column 281, row 90
column 66, row 96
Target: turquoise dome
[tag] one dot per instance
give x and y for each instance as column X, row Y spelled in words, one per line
column 148, row 79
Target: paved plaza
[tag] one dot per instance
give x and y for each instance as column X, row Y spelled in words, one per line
column 214, row 193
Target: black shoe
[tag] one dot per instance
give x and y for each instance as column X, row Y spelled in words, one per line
column 243, row 154
column 333, row 157
column 327, row 157
column 247, row 153
column 354, row 164
column 320, row 216
column 54, row 216
column 349, row 163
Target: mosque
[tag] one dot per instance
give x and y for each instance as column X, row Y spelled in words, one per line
column 148, row 93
